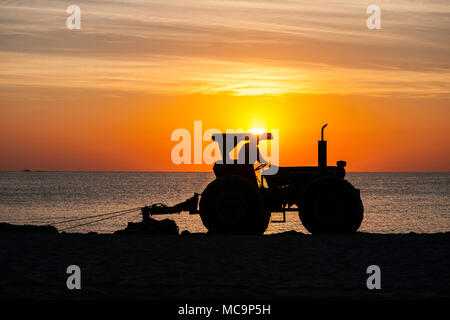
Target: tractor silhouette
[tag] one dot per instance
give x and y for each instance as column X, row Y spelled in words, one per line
column 237, row 202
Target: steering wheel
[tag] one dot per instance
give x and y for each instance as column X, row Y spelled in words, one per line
column 262, row 165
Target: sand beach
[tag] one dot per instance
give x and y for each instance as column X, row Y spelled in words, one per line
column 200, row 266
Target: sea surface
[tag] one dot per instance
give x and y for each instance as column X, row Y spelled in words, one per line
column 394, row 202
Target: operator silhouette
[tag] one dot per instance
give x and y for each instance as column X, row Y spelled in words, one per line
column 246, row 155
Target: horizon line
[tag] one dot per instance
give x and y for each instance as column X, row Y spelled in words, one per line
column 162, row 171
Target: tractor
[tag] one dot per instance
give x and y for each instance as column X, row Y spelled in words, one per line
column 238, row 202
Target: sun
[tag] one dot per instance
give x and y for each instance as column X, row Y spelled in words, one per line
column 257, row 130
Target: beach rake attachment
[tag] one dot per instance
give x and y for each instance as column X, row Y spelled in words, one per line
column 190, row 205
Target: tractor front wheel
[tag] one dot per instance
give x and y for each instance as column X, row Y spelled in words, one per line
column 331, row 205
column 233, row 205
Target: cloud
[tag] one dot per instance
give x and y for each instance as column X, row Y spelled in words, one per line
column 242, row 47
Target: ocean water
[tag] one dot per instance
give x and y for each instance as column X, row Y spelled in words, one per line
column 394, row 202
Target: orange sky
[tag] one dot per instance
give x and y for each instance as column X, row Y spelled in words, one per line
column 108, row 96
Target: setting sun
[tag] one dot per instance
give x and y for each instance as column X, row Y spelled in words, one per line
column 257, row 130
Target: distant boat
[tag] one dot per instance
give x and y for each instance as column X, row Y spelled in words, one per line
column 27, row 170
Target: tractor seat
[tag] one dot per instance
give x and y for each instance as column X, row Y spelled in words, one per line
column 244, row 170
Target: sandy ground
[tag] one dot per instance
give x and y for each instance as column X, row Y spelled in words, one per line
column 283, row 266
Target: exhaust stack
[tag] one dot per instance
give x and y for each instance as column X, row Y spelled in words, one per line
column 322, row 150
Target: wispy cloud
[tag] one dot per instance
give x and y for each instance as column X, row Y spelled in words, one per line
column 241, row 47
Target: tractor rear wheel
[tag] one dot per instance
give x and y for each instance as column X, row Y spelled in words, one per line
column 331, row 205
column 233, row 205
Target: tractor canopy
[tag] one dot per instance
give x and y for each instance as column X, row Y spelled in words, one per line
column 228, row 141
